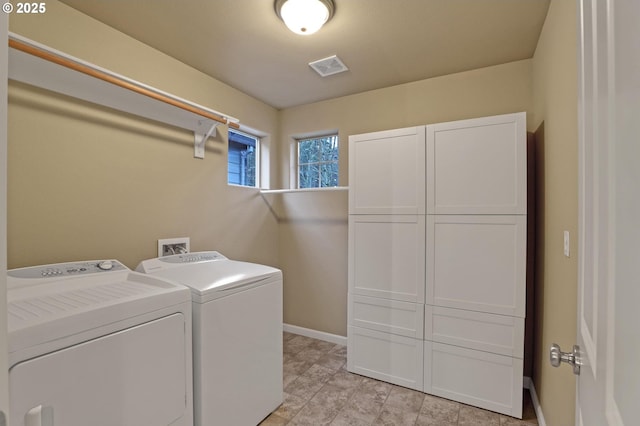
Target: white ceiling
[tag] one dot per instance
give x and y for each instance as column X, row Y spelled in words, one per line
column 383, row 42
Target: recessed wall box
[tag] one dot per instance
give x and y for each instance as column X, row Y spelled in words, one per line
column 169, row 246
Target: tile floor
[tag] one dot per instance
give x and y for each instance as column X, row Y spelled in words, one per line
column 318, row 390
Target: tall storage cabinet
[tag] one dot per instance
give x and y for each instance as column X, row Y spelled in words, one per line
column 387, row 255
column 455, row 327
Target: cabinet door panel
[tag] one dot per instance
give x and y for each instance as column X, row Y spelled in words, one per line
column 499, row 334
column 390, row 316
column 477, row 263
column 387, row 256
column 394, row 359
column 387, row 172
column 482, row 379
column 477, row 166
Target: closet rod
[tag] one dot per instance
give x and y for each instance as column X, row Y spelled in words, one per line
column 118, row 81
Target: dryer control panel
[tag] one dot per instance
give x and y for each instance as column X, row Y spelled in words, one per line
column 67, row 269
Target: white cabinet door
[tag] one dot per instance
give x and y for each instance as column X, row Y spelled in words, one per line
column 473, row 377
column 387, row 172
column 477, row 263
column 389, row 357
column 387, row 256
column 477, row 166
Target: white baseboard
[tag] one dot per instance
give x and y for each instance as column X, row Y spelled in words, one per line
column 315, row 334
column 528, row 384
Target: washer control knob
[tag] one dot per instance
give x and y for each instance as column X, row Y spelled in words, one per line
column 105, row 265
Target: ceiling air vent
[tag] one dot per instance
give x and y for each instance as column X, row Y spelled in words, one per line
column 328, row 66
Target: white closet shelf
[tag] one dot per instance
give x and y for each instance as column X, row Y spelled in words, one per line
column 41, row 66
column 301, row 190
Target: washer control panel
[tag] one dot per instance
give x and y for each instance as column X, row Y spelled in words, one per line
column 203, row 256
column 67, row 269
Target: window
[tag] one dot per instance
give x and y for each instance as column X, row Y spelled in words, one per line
column 318, row 162
column 242, row 159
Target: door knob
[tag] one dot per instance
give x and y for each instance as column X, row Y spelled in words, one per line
column 557, row 357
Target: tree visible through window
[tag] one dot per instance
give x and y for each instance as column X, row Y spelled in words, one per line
column 241, row 168
column 318, row 162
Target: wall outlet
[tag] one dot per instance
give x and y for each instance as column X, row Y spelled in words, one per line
column 170, row 246
column 567, row 244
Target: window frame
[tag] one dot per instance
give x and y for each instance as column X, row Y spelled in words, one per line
column 298, row 140
column 258, row 140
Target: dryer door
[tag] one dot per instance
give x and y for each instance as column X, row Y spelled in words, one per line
column 133, row 377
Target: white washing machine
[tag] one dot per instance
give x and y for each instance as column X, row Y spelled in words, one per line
column 95, row 344
column 237, row 335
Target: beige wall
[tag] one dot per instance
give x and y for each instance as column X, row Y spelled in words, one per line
column 555, row 105
column 88, row 182
column 314, row 244
column 313, row 257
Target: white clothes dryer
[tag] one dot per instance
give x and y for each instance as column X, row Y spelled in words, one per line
column 94, row 343
column 237, row 335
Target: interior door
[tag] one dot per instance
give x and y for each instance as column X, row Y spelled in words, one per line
column 4, row 386
column 608, row 385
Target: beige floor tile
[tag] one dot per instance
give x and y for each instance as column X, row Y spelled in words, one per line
column 290, row 406
column 313, row 415
column 363, row 406
column 296, row 367
column 339, row 350
column 344, row 379
column 296, row 344
column 331, row 397
column 288, row 378
column 322, row 346
column 304, row 387
column 334, row 362
column 274, row 420
column 318, row 373
column 407, row 399
column 375, row 389
column 309, row 354
column 346, row 418
column 472, row 416
column 395, row 416
column 510, row 421
column 424, row 420
column 286, row 336
column 438, row 411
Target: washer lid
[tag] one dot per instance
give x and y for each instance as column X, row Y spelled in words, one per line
column 205, row 277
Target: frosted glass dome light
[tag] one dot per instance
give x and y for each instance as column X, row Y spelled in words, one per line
column 304, row 17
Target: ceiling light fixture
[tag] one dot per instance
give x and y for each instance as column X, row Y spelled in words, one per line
column 304, row 16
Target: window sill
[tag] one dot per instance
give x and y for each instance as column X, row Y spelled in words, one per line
column 235, row 185
column 299, row 190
